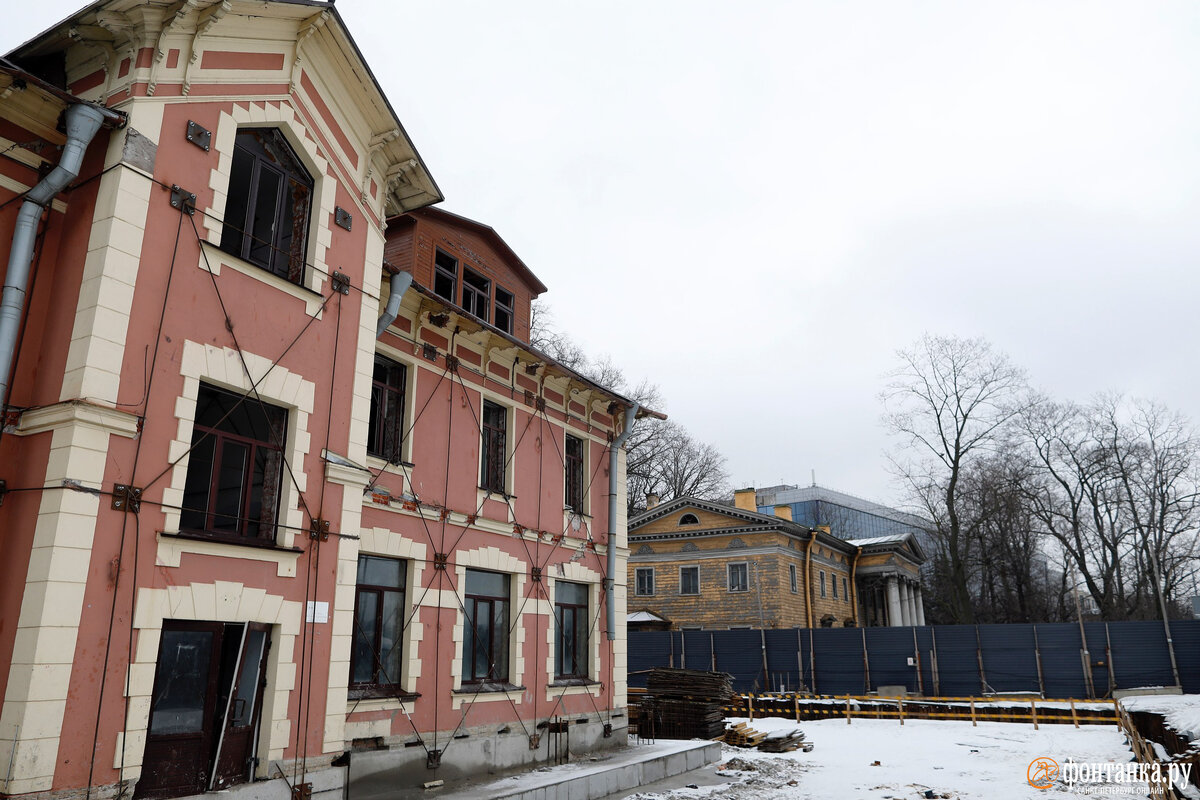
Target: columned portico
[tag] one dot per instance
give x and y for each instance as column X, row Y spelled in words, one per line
column 895, row 615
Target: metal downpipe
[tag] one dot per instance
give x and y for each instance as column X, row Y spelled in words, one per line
column 83, row 121
column 610, row 587
column 400, row 283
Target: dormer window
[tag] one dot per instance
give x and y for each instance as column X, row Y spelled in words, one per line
column 689, row 519
column 266, row 214
column 504, row 310
column 476, row 293
column 445, row 276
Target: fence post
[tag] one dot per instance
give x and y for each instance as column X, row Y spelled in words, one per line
column 750, row 700
column 1074, row 718
column 796, row 705
column 712, row 644
column 847, row 709
column 1033, row 708
column 973, row 722
column 900, row 705
column 1037, row 657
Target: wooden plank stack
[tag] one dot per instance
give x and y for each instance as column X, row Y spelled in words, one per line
column 686, row 703
column 784, row 741
column 742, row 735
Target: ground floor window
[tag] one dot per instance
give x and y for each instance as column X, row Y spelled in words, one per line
column 486, row 633
column 572, row 626
column 379, row 617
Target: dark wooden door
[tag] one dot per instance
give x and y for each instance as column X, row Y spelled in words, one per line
column 235, row 755
column 179, row 742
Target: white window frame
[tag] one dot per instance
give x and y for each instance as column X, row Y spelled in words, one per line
column 745, row 565
column 695, row 567
column 637, row 581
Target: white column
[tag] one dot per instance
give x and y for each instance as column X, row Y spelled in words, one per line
column 906, row 603
column 893, row 602
column 920, row 603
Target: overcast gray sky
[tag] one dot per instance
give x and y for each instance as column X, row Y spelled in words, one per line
column 755, row 204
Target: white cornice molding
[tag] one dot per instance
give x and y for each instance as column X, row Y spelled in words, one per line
column 77, row 412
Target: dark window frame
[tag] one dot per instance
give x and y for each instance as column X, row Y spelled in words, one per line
column 643, row 587
column 744, row 584
column 217, row 439
column 385, row 427
column 683, row 584
column 263, row 155
column 474, row 601
column 822, row 572
column 381, row 684
column 573, row 617
column 504, row 313
column 845, row 590
column 445, row 268
column 573, row 488
column 493, row 448
column 689, row 519
column 795, row 583
column 476, row 294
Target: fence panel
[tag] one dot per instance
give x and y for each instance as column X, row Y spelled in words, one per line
column 890, row 650
column 1185, row 634
column 1139, row 654
column 698, row 650
column 740, row 654
column 1009, row 658
column 783, row 652
column 839, row 660
column 957, row 660
column 646, row 650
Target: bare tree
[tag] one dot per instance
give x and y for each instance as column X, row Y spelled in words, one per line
column 948, row 402
column 661, row 456
column 1118, row 489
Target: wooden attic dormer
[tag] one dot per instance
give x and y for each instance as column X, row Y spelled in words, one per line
column 467, row 264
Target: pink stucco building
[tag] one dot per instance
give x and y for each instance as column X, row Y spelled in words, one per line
column 287, row 499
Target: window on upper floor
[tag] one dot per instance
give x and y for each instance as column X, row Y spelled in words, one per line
column 689, row 580
column 822, row 583
column 267, row 210
column 505, row 304
column 494, row 447
column 689, row 519
column 739, row 577
column 571, row 632
column 476, row 294
column 445, row 276
column 234, row 468
column 845, row 591
column 643, row 579
column 573, row 474
column 385, row 430
column 486, row 632
column 834, row 579
column 792, row 578
column 379, row 614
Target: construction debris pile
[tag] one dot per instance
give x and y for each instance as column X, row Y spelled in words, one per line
column 686, row 703
column 783, row 741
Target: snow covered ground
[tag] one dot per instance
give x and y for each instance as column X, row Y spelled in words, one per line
column 1182, row 712
column 922, row 758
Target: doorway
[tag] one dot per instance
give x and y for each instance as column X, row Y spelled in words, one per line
column 206, row 707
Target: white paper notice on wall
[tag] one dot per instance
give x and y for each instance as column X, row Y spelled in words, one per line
column 317, row 612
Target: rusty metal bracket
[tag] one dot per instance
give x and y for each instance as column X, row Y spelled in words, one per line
column 302, row 791
column 342, row 218
column 126, row 498
column 530, row 397
column 429, row 351
column 535, row 574
column 183, row 200
column 535, row 739
column 319, row 529
column 199, row 135
column 433, row 759
column 540, row 404
column 340, row 282
column 440, row 319
column 608, row 730
column 440, row 560
column 451, row 363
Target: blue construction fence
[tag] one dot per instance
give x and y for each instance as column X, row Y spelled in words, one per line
column 1057, row 660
